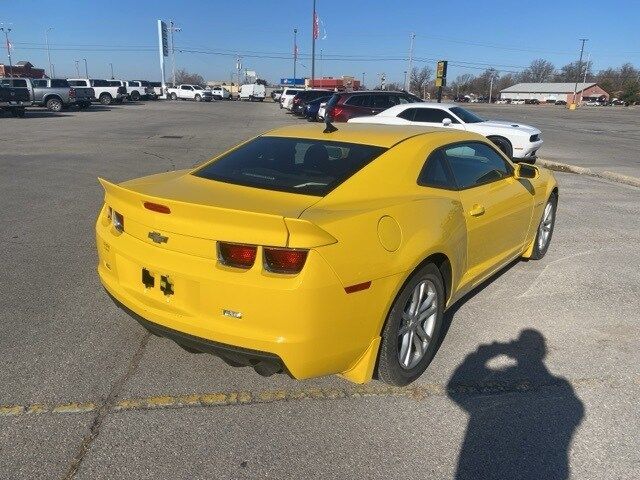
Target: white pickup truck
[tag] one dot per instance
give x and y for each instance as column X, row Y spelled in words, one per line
column 220, row 93
column 189, row 92
column 105, row 92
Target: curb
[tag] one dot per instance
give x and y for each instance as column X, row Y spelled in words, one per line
column 614, row 177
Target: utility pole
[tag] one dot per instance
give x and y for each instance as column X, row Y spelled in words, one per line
column 362, row 86
column 46, row 40
column 111, row 65
column 406, row 84
column 405, row 81
column 586, row 68
column 295, row 54
column 77, row 68
column 490, row 88
column 575, row 88
column 320, row 64
column 86, row 70
column 238, row 68
column 313, row 44
column 6, row 31
column 173, row 28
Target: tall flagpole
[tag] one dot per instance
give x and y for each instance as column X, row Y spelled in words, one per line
column 313, row 45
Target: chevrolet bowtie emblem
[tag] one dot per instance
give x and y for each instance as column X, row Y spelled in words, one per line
column 157, row 237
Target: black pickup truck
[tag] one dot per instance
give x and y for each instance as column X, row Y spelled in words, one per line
column 15, row 95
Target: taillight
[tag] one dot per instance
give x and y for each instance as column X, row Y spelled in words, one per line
column 156, row 207
column 284, row 260
column 237, row 255
column 72, row 93
column 117, row 220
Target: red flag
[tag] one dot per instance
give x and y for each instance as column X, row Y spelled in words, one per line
column 316, row 27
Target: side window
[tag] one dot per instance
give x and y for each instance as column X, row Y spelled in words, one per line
column 407, row 114
column 435, row 172
column 355, row 101
column 185, row 87
column 432, row 115
column 40, row 83
column 381, row 101
column 474, row 163
column 19, row 83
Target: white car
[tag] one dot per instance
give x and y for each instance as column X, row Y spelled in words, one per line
column 286, row 99
column 517, row 141
column 517, row 101
column 220, row 93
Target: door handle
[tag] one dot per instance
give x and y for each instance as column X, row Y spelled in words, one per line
column 476, row 210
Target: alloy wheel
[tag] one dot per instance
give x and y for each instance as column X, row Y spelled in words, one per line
column 546, row 226
column 418, row 323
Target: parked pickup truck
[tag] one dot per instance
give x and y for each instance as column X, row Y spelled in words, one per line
column 189, row 92
column 149, row 91
column 157, row 90
column 56, row 94
column 15, row 95
column 104, row 92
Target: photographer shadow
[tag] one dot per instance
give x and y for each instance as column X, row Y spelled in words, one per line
column 522, row 418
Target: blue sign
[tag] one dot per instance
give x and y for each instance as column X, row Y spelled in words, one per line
column 292, row 81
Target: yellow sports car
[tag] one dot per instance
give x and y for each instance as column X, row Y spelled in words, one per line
column 316, row 253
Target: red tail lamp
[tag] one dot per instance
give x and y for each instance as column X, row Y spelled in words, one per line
column 237, row 255
column 284, row 260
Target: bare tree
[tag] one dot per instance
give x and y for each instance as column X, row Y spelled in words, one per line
column 539, row 71
column 462, row 84
column 572, row 72
column 182, row 76
column 419, row 80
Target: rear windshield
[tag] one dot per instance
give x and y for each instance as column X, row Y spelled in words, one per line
column 296, row 165
column 290, row 91
column 59, row 83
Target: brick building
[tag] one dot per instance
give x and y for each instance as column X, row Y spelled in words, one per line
column 554, row 91
column 21, row 69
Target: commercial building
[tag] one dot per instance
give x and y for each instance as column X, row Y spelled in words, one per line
column 21, row 69
column 342, row 83
column 554, row 91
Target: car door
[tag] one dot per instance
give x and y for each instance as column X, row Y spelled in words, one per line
column 497, row 206
column 186, row 91
column 434, row 117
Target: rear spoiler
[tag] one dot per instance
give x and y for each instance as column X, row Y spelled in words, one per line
column 215, row 223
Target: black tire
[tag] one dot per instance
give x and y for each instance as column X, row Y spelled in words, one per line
column 540, row 250
column 174, row 96
column 504, row 145
column 106, row 99
column 389, row 370
column 198, row 97
column 54, row 104
column 135, row 96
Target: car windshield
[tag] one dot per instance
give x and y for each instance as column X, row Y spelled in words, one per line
column 465, row 115
column 197, row 87
column 296, row 165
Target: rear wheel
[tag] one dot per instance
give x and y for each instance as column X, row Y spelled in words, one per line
column 545, row 228
column 198, row 98
column 135, row 96
column 412, row 331
column 54, row 104
column 174, row 96
column 105, row 99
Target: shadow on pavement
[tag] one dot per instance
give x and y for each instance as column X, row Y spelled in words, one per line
column 521, row 417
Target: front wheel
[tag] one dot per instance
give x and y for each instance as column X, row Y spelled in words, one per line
column 504, row 145
column 174, row 96
column 54, row 104
column 105, row 99
column 412, row 331
column 135, row 96
column 545, row 228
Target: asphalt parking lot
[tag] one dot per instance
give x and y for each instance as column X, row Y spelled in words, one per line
column 538, row 376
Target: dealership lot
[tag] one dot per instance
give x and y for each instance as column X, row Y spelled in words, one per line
column 88, row 394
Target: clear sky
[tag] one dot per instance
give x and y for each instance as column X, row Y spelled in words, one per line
column 361, row 36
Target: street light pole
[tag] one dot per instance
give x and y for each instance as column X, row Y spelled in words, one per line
column 77, row 68
column 575, row 88
column 406, row 85
column 295, row 54
column 313, row 45
column 6, row 31
column 46, row 39
column 405, row 81
column 111, row 65
column 86, row 69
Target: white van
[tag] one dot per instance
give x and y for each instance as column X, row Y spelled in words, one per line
column 253, row 92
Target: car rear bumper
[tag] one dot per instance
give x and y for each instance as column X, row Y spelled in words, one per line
column 307, row 323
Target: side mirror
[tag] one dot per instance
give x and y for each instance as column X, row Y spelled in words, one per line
column 446, row 122
column 524, row 170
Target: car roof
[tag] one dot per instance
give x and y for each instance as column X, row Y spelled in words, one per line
column 361, row 133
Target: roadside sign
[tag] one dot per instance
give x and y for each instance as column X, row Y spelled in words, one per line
column 165, row 39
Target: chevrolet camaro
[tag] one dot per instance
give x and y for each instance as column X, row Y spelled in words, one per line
column 314, row 252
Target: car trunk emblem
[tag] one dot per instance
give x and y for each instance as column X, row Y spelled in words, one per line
column 157, row 237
